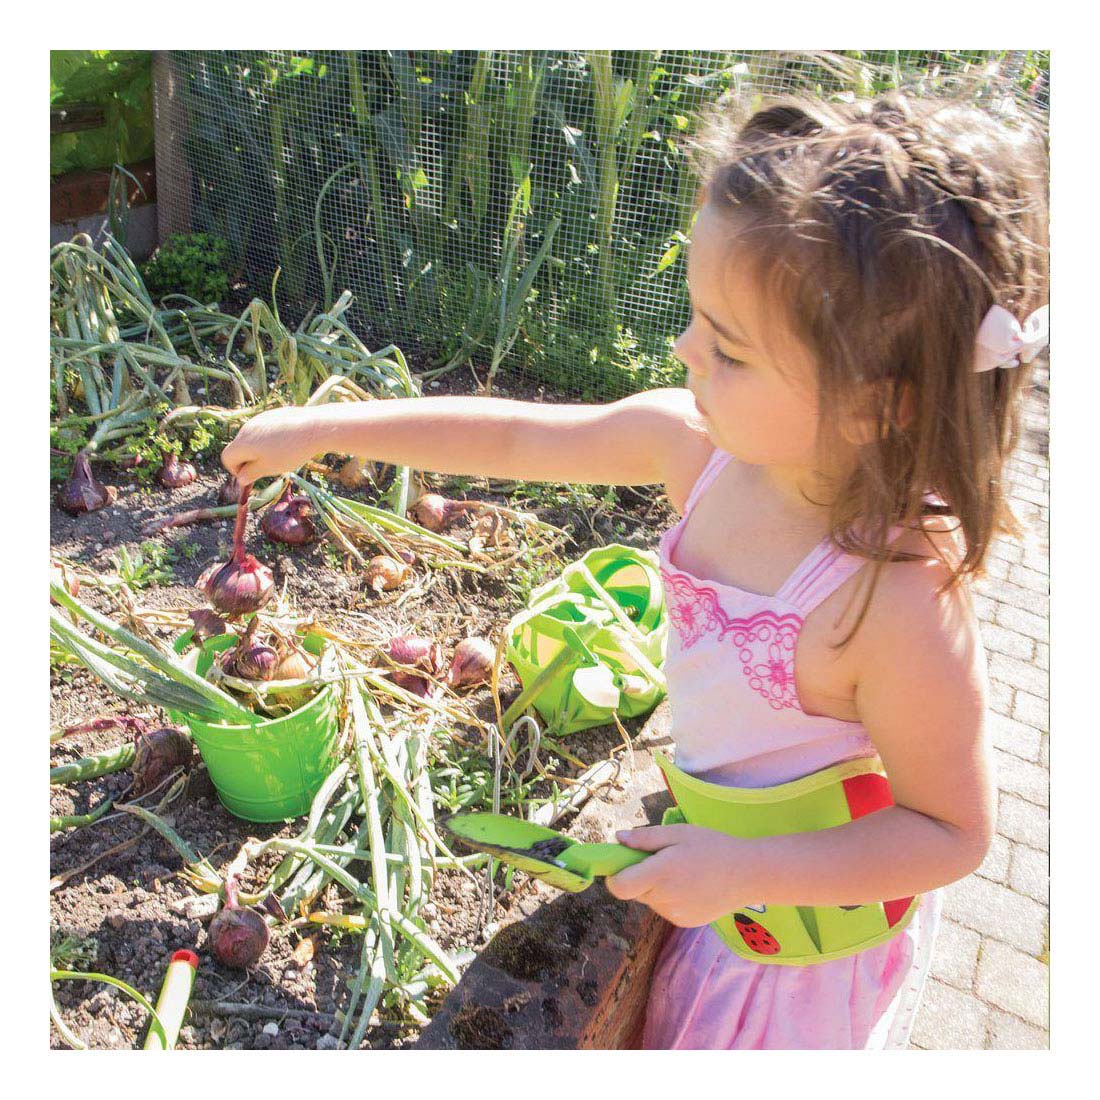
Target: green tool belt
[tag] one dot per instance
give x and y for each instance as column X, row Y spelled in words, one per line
column 793, row 935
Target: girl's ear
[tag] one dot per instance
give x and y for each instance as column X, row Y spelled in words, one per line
column 860, row 425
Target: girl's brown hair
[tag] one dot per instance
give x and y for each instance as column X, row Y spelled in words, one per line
column 887, row 229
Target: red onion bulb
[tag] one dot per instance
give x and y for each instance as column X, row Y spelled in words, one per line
column 82, row 493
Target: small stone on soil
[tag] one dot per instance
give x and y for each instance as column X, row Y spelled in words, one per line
column 271, row 1029
column 327, row 1042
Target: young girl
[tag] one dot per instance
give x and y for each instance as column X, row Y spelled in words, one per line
column 866, row 284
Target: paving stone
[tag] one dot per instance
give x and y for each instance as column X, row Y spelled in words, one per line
column 1018, row 738
column 949, row 1019
column 1011, row 1033
column 1002, row 697
column 1035, row 496
column 1020, row 674
column 1006, row 592
column 999, row 639
column 1023, row 622
column 1007, row 550
column 1037, row 558
column 1030, row 579
column 1044, row 751
column 984, row 608
column 1015, row 776
column 1042, row 655
column 1023, row 822
column 1031, row 710
column 998, row 568
column 997, row 911
column 997, row 860
column 1013, row 981
column 955, row 958
column 1029, row 873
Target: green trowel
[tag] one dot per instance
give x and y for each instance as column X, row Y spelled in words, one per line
column 547, row 854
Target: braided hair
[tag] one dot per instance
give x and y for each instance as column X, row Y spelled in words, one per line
column 886, row 229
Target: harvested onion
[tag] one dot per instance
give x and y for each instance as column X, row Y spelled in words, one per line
column 238, row 937
column 251, row 659
column 82, row 493
column 385, row 573
column 437, row 513
column 288, row 520
column 242, row 584
column 230, row 491
column 417, row 652
column 472, row 663
column 175, row 474
column 158, row 755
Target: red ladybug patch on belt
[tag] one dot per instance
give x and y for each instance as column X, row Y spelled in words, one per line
column 756, row 936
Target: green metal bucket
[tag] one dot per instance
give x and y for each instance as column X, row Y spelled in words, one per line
column 271, row 770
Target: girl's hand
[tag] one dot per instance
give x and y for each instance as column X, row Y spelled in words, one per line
column 688, row 881
column 272, row 443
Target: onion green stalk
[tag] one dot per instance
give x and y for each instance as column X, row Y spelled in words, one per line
column 91, row 976
column 92, row 767
column 163, row 681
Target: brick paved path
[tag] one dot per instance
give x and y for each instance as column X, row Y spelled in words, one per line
column 988, row 986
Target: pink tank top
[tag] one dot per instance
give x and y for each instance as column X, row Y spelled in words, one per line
column 736, row 717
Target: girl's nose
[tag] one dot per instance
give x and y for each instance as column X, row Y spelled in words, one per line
column 686, row 350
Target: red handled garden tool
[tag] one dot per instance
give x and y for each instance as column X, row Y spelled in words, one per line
column 544, row 853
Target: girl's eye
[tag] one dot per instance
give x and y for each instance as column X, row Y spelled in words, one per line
column 721, row 356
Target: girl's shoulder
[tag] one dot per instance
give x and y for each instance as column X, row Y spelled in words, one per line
column 914, row 605
column 692, row 448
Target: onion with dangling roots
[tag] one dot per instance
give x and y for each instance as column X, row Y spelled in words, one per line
column 82, row 493
column 242, row 584
column 437, row 513
column 237, row 936
column 385, row 573
column 417, row 652
column 472, row 663
column 175, row 474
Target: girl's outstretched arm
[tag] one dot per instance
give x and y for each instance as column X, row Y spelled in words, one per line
column 921, row 693
column 625, row 442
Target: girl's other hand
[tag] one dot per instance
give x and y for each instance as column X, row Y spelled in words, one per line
column 272, row 443
column 687, row 880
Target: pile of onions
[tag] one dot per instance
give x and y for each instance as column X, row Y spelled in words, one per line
column 270, row 657
column 82, row 493
column 237, row 936
column 242, row 584
column 288, row 520
column 175, row 474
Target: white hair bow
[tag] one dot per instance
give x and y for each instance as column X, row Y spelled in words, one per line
column 1004, row 342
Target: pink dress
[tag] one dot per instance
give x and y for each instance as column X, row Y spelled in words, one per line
column 736, row 719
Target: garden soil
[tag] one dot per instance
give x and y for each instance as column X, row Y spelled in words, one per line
column 122, row 906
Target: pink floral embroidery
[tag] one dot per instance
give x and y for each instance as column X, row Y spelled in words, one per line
column 765, row 642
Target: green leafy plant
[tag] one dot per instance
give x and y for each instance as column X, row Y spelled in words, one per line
column 150, row 564
column 68, row 952
column 194, row 264
column 120, row 83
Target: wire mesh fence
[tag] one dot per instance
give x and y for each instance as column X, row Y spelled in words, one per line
column 515, row 210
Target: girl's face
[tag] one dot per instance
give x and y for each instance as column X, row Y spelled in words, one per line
column 753, row 381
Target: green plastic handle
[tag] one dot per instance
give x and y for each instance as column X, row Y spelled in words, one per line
column 600, row 859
